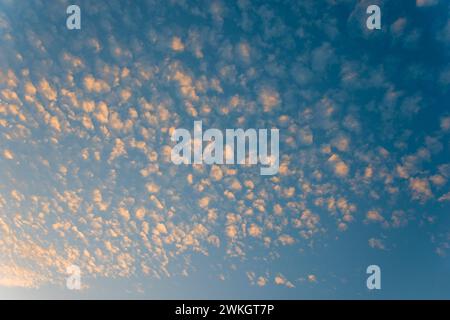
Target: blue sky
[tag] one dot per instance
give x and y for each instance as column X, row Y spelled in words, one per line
column 85, row 171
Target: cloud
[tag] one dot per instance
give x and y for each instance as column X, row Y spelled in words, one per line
column 8, row 154
column 306, row 136
column 368, row 172
column 98, row 200
column 438, row 180
column 341, row 169
column 399, row 219
column 231, row 231
column 186, row 85
column 269, row 98
column 124, row 213
column 376, row 243
column 244, row 50
column 278, row 209
column 341, row 143
column 374, row 216
column 286, row 240
column 118, row 150
column 30, row 89
column 445, row 197
column 322, row 57
column 398, row 27
column 125, row 94
column 54, row 122
column 95, row 85
column 161, row 228
column 152, row 187
column 261, row 282
column 445, row 123
column 203, row 202
column 118, row 98
column 47, row 91
column 14, row 276
column 140, row 213
column 281, row 280
column 254, row 230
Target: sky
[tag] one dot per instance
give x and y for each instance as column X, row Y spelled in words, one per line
column 86, row 178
